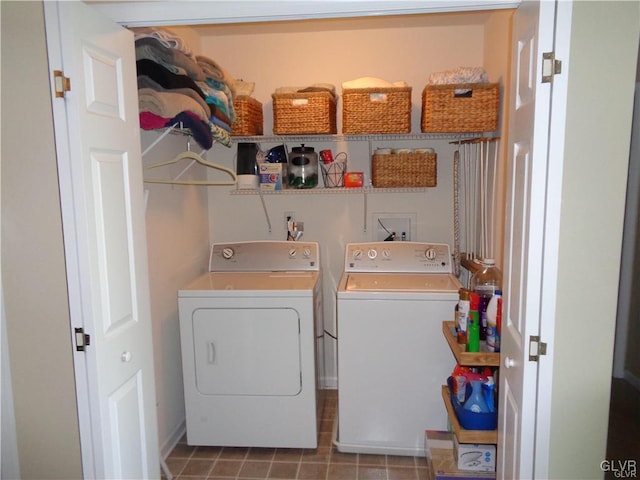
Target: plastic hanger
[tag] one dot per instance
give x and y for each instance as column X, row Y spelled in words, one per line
column 195, row 158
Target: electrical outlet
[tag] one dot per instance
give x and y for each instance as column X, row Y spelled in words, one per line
column 288, row 216
column 402, row 224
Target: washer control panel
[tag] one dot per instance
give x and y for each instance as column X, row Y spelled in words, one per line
column 264, row 256
column 396, row 257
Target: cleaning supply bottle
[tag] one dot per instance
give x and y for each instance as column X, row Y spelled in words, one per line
column 473, row 327
column 462, row 315
column 493, row 337
column 476, row 401
column 499, row 324
column 485, row 282
column 489, row 388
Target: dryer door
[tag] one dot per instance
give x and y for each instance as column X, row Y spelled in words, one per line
column 247, row 351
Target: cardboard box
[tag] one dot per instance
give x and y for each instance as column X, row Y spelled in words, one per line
column 443, row 465
column 270, row 176
column 474, row 457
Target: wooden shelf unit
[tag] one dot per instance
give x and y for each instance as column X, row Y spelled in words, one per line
column 463, row 435
column 468, row 359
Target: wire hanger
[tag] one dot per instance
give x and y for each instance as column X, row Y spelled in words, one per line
column 195, row 158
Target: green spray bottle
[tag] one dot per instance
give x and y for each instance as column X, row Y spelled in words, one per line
column 473, row 329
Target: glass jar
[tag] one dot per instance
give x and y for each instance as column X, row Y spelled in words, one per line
column 303, row 167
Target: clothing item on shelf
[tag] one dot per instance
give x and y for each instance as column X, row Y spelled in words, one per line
column 169, row 104
column 170, row 58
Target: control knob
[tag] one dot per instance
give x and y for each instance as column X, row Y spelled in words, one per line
column 227, row 253
column 372, row 253
column 430, row 253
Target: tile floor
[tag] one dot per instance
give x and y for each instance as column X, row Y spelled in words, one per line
column 324, row 463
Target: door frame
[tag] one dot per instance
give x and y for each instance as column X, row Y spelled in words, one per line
column 550, row 257
column 73, row 275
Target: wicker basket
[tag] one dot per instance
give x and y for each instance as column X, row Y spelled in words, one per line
column 249, row 120
column 404, row 170
column 444, row 110
column 304, row 113
column 376, row 110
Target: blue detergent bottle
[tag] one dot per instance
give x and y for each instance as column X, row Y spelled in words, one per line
column 476, row 401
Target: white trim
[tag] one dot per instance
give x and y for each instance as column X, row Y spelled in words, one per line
column 193, row 12
column 54, row 51
column 9, row 461
column 550, row 257
column 625, row 292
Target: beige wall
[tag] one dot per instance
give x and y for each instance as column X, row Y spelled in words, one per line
column 178, row 249
column 593, row 194
column 333, row 51
column 33, row 271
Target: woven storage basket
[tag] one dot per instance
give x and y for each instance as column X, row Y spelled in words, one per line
column 249, row 120
column 404, row 170
column 443, row 110
column 304, row 113
column 376, row 110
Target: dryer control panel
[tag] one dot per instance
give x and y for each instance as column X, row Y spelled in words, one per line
column 398, row 257
column 264, row 256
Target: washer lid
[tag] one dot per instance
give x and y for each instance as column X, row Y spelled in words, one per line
column 207, row 284
column 402, row 282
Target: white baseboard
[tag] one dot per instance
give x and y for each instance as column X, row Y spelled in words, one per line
column 168, row 445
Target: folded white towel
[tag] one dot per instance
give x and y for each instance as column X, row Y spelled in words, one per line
column 371, row 82
column 315, row 87
column 459, row 75
column 244, row 88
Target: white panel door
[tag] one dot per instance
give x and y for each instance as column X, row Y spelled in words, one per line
column 527, row 204
column 98, row 149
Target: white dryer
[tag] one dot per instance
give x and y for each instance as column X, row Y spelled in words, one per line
column 392, row 357
column 251, row 335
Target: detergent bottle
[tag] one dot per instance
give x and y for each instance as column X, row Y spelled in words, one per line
column 493, row 336
column 473, row 328
column 485, row 282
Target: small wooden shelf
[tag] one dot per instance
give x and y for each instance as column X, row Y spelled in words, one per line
column 468, row 359
column 466, row 436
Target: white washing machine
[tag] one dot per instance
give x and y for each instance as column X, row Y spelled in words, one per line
column 392, row 356
column 251, row 335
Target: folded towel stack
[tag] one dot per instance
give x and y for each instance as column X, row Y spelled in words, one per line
column 177, row 86
column 316, row 87
column 459, row 75
column 371, row 82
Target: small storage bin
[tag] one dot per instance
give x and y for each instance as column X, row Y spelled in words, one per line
column 376, row 110
column 468, row 107
column 249, row 120
column 404, row 170
column 304, row 113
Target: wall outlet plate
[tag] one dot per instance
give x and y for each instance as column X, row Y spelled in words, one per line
column 385, row 224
